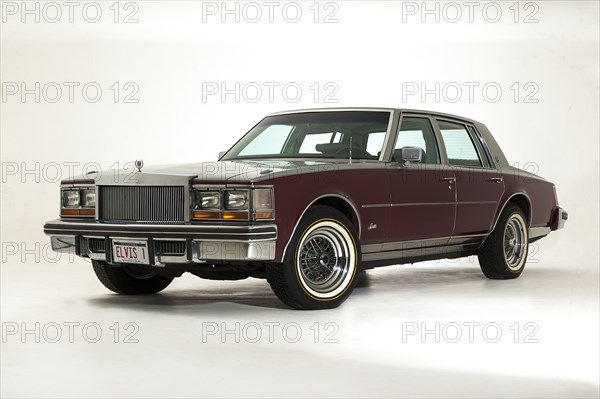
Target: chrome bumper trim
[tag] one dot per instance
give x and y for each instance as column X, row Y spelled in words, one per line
column 63, row 244
column 197, row 231
column 208, row 251
column 538, row 232
column 562, row 218
column 204, row 243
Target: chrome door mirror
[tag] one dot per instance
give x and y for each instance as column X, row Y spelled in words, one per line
column 221, row 153
column 412, row 154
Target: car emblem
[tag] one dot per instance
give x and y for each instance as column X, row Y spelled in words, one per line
column 139, row 164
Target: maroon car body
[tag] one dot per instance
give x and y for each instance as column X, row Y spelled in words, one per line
column 397, row 186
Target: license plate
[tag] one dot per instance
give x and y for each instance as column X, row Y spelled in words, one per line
column 130, row 252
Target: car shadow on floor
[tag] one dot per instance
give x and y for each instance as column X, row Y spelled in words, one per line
column 258, row 294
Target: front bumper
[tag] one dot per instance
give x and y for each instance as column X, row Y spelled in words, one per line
column 177, row 243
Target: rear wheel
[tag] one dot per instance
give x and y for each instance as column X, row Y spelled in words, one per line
column 130, row 280
column 321, row 262
column 504, row 252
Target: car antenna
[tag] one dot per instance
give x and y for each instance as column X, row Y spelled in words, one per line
column 350, row 159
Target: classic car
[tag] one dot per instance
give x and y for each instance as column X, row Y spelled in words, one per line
column 309, row 199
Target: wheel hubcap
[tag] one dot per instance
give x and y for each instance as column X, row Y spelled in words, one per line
column 515, row 242
column 325, row 259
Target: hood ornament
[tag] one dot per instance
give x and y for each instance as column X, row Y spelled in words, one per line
column 139, row 164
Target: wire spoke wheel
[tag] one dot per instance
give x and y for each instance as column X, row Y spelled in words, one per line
column 321, row 263
column 325, row 259
column 514, row 242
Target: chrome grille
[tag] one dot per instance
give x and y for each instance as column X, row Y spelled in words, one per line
column 97, row 244
column 170, row 247
column 142, row 203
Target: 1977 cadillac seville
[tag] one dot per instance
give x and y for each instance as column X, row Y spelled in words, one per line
column 308, row 199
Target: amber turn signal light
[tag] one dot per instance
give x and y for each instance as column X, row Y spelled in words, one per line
column 205, row 214
column 78, row 212
column 263, row 215
column 235, row 215
column 219, row 215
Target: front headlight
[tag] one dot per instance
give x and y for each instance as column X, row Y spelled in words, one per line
column 236, row 200
column 88, row 198
column 70, row 198
column 210, row 199
column 78, row 201
column 232, row 204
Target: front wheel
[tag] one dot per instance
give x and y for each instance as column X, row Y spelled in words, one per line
column 321, row 262
column 504, row 252
column 130, row 280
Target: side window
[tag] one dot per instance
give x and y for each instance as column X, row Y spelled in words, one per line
column 459, row 145
column 417, row 132
column 375, row 143
column 269, row 141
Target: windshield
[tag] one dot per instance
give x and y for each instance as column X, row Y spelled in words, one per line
column 331, row 134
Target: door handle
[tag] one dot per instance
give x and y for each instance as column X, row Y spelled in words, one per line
column 496, row 179
column 448, row 179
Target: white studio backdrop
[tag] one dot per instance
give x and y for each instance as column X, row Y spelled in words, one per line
column 186, row 89
column 104, row 83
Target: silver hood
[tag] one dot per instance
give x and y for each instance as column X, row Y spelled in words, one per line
column 226, row 172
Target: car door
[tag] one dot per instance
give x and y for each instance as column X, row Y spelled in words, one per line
column 479, row 185
column 422, row 193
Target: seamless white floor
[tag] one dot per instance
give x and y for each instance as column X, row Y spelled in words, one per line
column 183, row 352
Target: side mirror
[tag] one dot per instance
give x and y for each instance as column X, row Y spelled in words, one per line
column 412, row 154
column 221, row 153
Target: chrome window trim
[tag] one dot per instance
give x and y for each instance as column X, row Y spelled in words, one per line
column 334, row 109
column 408, row 114
column 466, row 126
column 391, row 111
column 393, row 125
column 486, row 152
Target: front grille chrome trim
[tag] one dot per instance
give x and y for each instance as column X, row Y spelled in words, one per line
column 145, row 204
